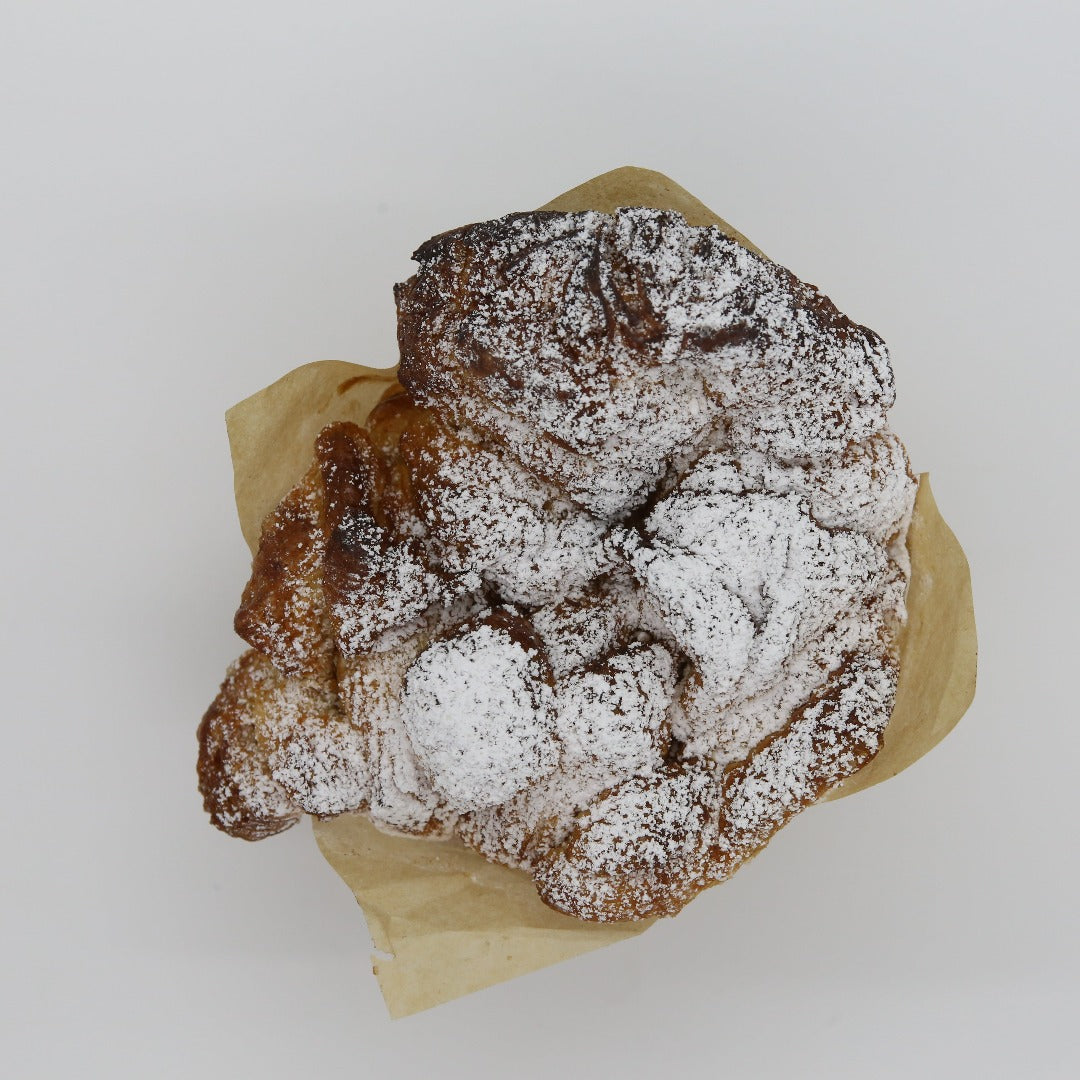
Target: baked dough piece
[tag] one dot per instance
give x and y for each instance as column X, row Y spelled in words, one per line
column 479, row 711
column 610, row 721
column 399, row 798
column 608, row 590
column 640, row 850
column 486, row 514
column 239, row 792
column 283, row 613
column 650, row 844
column 597, row 348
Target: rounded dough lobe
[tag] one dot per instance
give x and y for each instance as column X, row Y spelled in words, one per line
column 478, row 708
column 239, row 793
column 640, row 850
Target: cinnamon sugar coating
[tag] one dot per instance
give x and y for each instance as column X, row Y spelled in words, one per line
column 609, row 591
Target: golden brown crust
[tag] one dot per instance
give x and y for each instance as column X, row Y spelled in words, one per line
column 830, row 736
column 595, row 347
column 354, row 479
column 282, row 613
column 639, row 851
column 647, row 847
column 393, row 417
column 239, row 793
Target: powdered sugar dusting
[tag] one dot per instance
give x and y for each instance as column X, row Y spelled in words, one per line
column 610, row 593
column 313, row 752
column 640, row 850
column 486, row 514
column 400, row 798
column 596, row 347
column 363, row 616
column 479, row 710
column 744, row 581
column 583, row 628
column 611, row 722
column 836, row 733
column 283, row 609
column 239, row 793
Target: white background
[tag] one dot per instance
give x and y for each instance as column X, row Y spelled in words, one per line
column 198, row 196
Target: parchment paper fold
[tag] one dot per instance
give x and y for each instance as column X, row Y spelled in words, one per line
column 447, row 921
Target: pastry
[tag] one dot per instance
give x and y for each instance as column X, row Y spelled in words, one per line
column 608, row 588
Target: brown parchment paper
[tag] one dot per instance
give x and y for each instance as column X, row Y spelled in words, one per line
column 446, row 921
